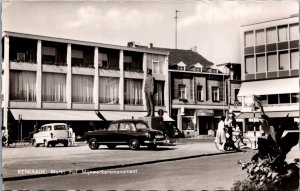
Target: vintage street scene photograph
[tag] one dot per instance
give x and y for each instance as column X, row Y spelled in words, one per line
column 150, row 95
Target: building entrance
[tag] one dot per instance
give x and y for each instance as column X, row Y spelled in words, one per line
column 205, row 124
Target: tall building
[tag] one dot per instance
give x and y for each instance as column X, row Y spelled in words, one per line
column 270, row 70
column 85, row 84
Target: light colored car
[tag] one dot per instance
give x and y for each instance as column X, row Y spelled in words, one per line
column 52, row 134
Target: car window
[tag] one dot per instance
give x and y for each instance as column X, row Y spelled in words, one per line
column 48, row 128
column 60, row 127
column 126, row 127
column 113, row 127
column 141, row 126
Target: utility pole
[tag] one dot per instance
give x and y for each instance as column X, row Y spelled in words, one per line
column 176, row 28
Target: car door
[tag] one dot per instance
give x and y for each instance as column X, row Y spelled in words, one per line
column 124, row 131
column 109, row 135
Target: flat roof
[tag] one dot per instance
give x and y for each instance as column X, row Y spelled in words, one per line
column 85, row 43
column 292, row 16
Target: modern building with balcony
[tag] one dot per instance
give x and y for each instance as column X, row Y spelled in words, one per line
column 85, row 84
column 270, row 70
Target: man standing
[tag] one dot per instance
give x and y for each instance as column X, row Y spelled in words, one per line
column 149, row 93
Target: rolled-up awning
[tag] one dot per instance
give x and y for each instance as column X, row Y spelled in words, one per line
column 272, row 114
column 267, row 87
column 54, row 115
column 117, row 115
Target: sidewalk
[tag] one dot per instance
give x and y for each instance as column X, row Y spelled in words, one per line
column 41, row 161
column 29, row 162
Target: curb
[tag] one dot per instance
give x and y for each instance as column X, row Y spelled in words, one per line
column 68, row 172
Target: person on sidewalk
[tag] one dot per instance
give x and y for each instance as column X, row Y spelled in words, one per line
column 149, row 93
column 220, row 136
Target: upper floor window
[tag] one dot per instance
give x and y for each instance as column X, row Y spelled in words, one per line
column 133, row 92
column 77, row 54
column 215, row 94
column 283, row 61
column 249, row 39
column 282, row 33
column 249, row 65
column 271, row 35
column 182, row 91
column 50, row 51
column 127, row 62
column 198, row 69
column 199, row 93
column 102, row 60
column 159, row 96
column 236, row 92
column 260, row 37
column 155, row 66
column 214, row 70
column 181, row 66
column 294, row 32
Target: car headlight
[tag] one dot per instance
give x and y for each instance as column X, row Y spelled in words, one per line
column 148, row 135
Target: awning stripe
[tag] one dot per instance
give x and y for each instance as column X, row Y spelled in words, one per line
column 117, row 115
column 267, row 87
column 54, row 115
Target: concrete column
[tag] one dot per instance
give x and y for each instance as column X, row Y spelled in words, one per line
column 39, row 75
column 96, row 79
column 121, row 83
column 179, row 120
column 145, row 76
column 69, row 78
column 5, row 83
column 167, row 95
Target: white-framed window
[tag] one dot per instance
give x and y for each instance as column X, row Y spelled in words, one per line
column 271, row 35
column 155, row 67
column 294, row 31
column 215, row 94
column 199, row 93
column 181, row 66
column 282, row 33
column 249, row 65
column 272, row 62
column 261, row 63
column 249, row 39
column 198, row 69
column 284, row 61
column 295, row 59
column 260, row 37
column 181, row 91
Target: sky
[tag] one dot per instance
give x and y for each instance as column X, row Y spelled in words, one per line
column 212, row 26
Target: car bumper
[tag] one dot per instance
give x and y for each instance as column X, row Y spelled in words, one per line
column 159, row 142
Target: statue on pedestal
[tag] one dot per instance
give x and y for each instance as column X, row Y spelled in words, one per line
column 149, row 93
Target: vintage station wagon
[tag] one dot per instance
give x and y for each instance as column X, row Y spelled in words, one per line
column 133, row 133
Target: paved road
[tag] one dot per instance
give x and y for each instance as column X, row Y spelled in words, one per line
column 209, row 172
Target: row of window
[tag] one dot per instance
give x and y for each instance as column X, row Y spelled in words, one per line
column 271, row 35
column 215, row 93
column 272, row 62
column 280, row 98
column 23, row 88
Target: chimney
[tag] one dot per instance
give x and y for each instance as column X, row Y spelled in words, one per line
column 151, row 45
column 194, row 49
column 131, row 44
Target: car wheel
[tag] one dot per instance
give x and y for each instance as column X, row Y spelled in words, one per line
column 111, row 146
column 53, row 144
column 34, row 143
column 66, row 143
column 152, row 146
column 134, row 144
column 93, row 144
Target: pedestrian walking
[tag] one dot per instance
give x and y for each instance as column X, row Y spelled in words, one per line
column 220, row 137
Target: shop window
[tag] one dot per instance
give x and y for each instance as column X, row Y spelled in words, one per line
column 273, row 99
column 187, row 124
column 284, row 98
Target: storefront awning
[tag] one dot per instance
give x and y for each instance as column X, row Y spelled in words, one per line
column 272, row 114
column 54, row 115
column 266, row 87
column 117, row 115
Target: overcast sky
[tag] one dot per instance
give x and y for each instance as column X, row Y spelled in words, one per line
column 211, row 26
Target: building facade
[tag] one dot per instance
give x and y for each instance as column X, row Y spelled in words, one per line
column 85, row 84
column 198, row 93
column 270, row 70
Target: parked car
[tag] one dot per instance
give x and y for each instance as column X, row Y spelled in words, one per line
column 52, row 134
column 133, row 133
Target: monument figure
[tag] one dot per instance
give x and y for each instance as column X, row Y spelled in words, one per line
column 149, row 93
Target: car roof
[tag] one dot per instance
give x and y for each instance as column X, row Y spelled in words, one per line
column 54, row 124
